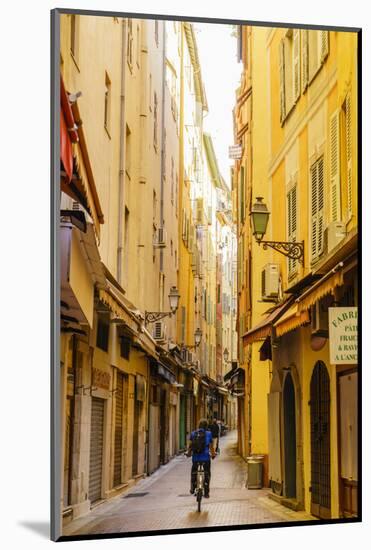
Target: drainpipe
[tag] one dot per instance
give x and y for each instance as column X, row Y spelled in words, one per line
column 163, row 144
column 122, row 156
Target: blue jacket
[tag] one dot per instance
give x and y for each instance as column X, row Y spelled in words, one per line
column 205, row 456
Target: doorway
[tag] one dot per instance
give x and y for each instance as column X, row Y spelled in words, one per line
column 320, row 441
column 289, row 418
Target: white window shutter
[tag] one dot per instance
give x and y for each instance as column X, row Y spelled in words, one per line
column 348, row 150
column 296, row 64
column 282, row 81
column 305, row 63
column 324, row 39
column 335, row 214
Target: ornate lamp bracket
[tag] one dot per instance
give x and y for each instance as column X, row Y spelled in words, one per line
column 153, row 316
column 292, row 250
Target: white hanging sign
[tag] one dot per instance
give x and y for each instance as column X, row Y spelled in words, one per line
column 343, row 335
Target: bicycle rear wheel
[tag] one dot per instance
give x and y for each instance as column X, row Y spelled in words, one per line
column 199, row 498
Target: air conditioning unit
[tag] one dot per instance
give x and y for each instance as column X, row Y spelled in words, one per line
column 270, row 282
column 334, row 233
column 319, row 319
column 159, row 331
column 160, row 238
column 184, row 355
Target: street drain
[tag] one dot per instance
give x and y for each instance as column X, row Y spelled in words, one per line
column 131, row 495
column 184, row 495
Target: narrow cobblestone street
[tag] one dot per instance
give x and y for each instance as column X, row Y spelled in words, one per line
column 162, row 501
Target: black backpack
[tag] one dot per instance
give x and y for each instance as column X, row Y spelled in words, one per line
column 199, row 442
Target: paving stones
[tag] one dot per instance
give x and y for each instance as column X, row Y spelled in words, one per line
column 168, row 504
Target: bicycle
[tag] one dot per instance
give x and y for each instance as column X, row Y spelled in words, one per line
column 200, row 485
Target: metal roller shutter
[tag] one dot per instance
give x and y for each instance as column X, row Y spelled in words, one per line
column 118, row 431
column 96, row 449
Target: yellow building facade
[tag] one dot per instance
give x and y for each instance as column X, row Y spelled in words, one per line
column 133, row 382
column 305, row 167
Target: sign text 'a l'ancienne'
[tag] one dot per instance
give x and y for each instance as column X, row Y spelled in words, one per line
column 343, row 332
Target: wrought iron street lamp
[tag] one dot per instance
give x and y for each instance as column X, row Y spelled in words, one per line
column 259, row 216
column 198, row 336
column 152, row 316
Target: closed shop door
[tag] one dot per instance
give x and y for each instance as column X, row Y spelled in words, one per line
column 348, row 429
column 182, row 423
column 117, row 469
column 67, row 452
column 96, row 449
column 320, row 442
column 274, row 441
column 153, row 443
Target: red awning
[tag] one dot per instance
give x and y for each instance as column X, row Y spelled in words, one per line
column 68, row 132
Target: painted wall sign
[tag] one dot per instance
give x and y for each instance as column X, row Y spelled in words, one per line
column 343, row 333
column 101, row 379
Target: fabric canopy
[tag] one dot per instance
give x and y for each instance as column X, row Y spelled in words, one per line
column 320, row 289
column 264, row 328
column 292, row 319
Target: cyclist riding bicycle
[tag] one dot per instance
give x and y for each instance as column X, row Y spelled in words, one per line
column 201, row 448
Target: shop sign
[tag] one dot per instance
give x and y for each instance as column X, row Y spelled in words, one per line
column 101, row 379
column 343, row 334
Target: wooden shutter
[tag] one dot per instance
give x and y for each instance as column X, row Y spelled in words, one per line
column 305, row 63
column 242, row 194
column 296, row 64
column 282, row 82
column 335, row 214
column 317, row 208
column 183, row 324
column 292, row 223
column 323, row 45
column 348, row 151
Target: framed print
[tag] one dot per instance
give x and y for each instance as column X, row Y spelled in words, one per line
column 205, row 282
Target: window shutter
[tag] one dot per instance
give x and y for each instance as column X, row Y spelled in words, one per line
column 335, row 168
column 317, row 208
column 292, row 223
column 183, row 323
column 348, row 150
column 282, row 81
column 321, row 198
column 296, row 64
column 305, row 64
column 242, row 194
column 324, row 45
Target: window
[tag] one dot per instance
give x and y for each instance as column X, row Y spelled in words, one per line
column 289, row 61
column 317, row 44
column 242, row 195
column 126, row 243
column 346, row 132
column 125, row 347
column 292, row 224
column 335, row 201
column 317, row 208
column 107, row 104
column 183, row 324
column 102, row 334
column 129, row 47
column 155, row 121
